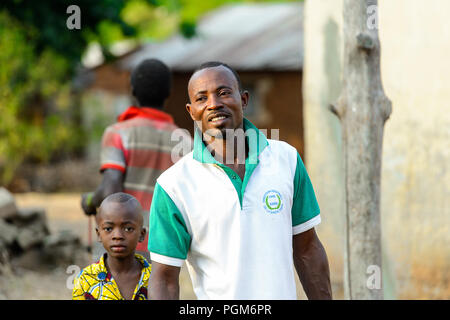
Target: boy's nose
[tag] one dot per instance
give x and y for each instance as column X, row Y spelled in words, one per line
column 117, row 234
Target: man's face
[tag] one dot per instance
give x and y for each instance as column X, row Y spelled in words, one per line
column 119, row 228
column 216, row 102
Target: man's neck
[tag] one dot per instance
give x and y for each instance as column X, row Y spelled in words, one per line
column 229, row 150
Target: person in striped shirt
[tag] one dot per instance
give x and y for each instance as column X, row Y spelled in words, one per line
column 137, row 148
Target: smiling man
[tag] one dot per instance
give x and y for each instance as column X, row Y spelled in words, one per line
column 242, row 223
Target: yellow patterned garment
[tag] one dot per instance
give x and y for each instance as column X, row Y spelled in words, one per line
column 95, row 282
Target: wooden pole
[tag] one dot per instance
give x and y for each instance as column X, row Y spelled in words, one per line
column 362, row 109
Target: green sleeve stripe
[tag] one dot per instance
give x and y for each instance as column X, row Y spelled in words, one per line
column 304, row 206
column 168, row 235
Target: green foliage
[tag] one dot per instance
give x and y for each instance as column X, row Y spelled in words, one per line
column 49, row 18
column 38, row 58
column 34, row 99
column 151, row 22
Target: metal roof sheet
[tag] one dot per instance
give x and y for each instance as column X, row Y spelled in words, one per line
column 246, row 36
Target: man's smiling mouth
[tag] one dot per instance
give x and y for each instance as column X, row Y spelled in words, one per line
column 218, row 117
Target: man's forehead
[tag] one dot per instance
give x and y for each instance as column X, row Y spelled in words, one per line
column 219, row 75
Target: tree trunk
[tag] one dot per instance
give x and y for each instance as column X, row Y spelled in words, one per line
column 362, row 109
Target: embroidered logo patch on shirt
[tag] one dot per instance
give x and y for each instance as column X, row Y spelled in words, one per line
column 273, row 201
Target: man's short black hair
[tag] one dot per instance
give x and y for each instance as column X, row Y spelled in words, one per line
column 151, row 83
column 212, row 64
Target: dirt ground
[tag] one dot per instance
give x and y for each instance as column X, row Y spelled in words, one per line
column 64, row 213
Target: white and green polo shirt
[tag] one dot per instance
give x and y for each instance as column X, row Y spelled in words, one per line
column 236, row 236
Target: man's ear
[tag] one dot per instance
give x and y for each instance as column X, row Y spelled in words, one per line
column 244, row 98
column 189, row 110
column 143, row 233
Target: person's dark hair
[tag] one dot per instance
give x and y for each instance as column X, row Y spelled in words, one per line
column 212, row 64
column 151, row 83
column 126, row 200
column 122, row 197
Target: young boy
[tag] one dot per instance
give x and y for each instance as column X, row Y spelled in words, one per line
column 121, row 274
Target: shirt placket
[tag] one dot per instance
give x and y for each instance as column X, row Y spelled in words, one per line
column 116, row 288
column 234, row 179
column 138, row 286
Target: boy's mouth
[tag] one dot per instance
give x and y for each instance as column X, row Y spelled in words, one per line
column 118, row 248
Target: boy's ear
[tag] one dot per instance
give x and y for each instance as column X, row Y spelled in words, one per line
column 143, row 233
column 98, row 234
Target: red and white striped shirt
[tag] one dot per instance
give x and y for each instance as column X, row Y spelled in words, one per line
column 139, row 145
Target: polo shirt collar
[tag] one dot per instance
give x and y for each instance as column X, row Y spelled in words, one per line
column 256, row 144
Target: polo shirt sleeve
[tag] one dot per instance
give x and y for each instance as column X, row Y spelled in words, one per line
column 112, row 151
column 169, row 239
column 305, row 209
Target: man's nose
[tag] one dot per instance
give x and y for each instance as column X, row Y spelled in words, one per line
column 214, row 102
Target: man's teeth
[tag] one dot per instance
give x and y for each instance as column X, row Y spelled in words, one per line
column 218, row 118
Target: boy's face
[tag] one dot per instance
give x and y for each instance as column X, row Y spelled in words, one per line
column 119, row 228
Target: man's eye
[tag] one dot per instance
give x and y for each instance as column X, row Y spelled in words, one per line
column 224, row 93
column 202, row 98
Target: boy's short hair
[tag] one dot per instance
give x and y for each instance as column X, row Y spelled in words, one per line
column 122, row 198
column 151, row 82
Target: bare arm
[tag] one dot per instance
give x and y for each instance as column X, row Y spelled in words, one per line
column 111, row 183
column 311, row 263
column 164, row 282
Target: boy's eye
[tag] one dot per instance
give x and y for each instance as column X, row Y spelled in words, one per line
column 129, row 229
column 107, row 229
